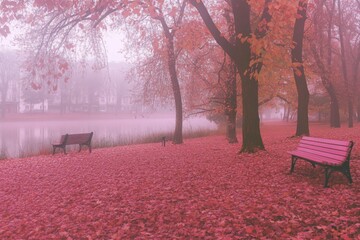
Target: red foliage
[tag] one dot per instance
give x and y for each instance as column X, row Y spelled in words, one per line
column 201, row 189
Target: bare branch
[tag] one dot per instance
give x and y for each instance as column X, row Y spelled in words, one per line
column 214, row 30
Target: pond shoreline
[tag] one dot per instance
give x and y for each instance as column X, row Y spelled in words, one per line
column 25, row 117
column 34, row 133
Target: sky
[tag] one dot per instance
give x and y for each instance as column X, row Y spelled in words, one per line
column 114, row 46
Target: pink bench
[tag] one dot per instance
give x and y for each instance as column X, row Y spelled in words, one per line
column 333, row 155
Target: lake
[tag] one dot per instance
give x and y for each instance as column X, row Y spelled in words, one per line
column 23, row 138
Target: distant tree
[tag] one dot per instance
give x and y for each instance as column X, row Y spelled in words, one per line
column 318, row 104
column 320, row 41
column 9, row 74
column 349, row 34
column 231, row 82
column 57, row 27
column 163, row 19
column 353, row 44
column 207, row 67
column 32, row 97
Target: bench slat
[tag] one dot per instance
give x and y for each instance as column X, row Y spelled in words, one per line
column 325, row 145
column 78, row 138
column 323, row 154
column 321, row 149
column 316, row 158
column 330, row 141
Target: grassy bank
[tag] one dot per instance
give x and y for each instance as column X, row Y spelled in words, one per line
column 32, row 149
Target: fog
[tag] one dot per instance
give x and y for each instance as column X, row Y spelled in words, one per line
column 21, row 137
column 99, row 101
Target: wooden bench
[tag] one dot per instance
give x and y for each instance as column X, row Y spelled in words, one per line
column 333, row 155
column 83, row 139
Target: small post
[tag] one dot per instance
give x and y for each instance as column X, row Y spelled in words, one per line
column 163, row 141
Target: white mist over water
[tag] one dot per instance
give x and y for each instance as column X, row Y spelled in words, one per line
column 22, row 138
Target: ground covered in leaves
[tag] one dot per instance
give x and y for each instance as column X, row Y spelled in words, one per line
column 201, row 189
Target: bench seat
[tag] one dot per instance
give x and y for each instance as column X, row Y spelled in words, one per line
column 316, row 158
column 333, row 155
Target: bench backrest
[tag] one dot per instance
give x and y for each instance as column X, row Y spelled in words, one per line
column 335, row 150
column 80, row 138
column 63, row 138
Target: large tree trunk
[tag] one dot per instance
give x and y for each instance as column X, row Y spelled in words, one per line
column 231, row 104
column 249, row 65
column 178, row 137
column 302, row 126
column 299, row 73
column 252, row 140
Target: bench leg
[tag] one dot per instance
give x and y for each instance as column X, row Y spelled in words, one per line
column 293, row 162
column 346, row 171
column 328, row 172
column 64, row 149
column 348, row 176
column 88, row 145
column 54, row 150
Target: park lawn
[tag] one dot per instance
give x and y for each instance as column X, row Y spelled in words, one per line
column 201, row 189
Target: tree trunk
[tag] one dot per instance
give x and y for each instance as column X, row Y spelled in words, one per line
column 231, row 127
column 334, row 110
column 231, row 86
column 302, row 126
column 286, row 112
column 252, row 140
column 358, row 109
column 344, row 70
column 299, row 73
column 3, row 100
column 334, row 103
column 178, row 137
column 2, row 108
column 351, row 113
column 4, row 88
column 171, row 61
column 231, row 104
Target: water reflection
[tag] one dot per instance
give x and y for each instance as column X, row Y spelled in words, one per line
column 18, row 139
